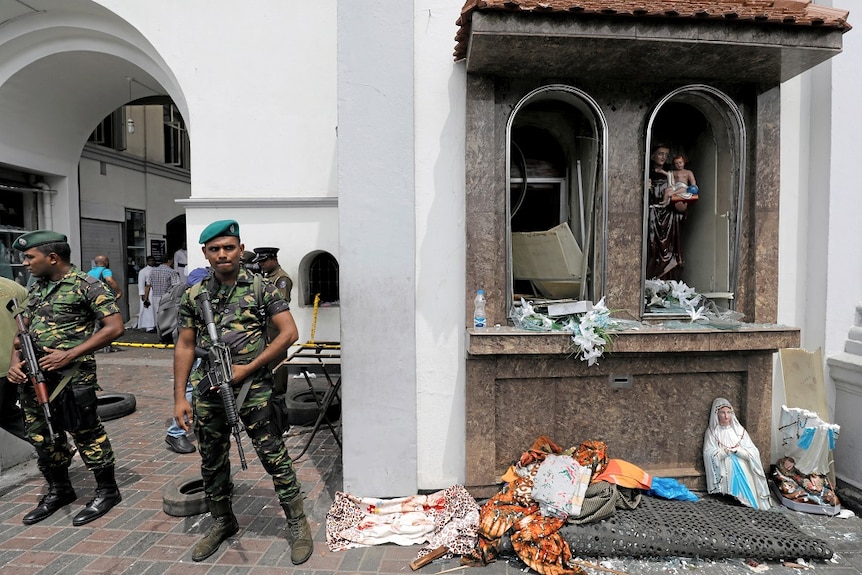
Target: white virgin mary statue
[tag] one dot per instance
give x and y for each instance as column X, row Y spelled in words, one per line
column 732, row 460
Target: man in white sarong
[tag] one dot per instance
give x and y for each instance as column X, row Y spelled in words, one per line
column 147, row 314
column 731, row 459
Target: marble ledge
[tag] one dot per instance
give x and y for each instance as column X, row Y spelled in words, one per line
column 502, row 340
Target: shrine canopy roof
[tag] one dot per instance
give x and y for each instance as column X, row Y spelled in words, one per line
column 749, row 38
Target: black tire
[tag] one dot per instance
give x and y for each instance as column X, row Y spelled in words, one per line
column 184, row 496
column 302, row 409
column 115, row 405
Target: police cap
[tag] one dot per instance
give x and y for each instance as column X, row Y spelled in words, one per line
column 37, row 238
column 219, row 229
column 264, row 254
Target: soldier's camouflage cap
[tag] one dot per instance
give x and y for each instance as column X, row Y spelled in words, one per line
column 37, row 238
column 219, row 229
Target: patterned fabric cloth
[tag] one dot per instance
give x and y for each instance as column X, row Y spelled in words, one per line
column 448, row 517
column 535, row 538
column 592, row 454
column 559, row 486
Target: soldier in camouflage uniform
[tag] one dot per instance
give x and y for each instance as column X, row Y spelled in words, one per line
column 61, row 310
column 235, row 307
column 266, row 259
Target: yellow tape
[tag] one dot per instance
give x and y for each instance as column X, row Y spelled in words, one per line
column 153, row 345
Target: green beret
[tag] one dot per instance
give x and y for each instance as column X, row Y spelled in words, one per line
column 37, row 238
column 219, row 229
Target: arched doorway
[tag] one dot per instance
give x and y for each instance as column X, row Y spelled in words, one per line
column 90, row 169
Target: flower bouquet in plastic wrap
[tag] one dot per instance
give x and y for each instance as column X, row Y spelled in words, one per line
column 590, row 330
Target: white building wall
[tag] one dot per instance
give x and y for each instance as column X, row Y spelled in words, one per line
column 261, row 111
column 440, row 246
column 261, row 115
column 377, row 227
column 844, row 290
column 821, row 208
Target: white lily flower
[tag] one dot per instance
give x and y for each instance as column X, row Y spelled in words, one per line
column 656, row 286
column 680, row 290
column 657, row 301
column 697, row 314
column 599, row 307
column 591, row 356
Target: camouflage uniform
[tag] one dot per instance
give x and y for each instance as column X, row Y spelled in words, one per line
column 240, row 328
column 282, row 281
column 63, row 315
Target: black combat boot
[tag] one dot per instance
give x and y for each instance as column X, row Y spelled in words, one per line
column 60, row 493
column 299, row 533
column 224, row 526
column 107, row 495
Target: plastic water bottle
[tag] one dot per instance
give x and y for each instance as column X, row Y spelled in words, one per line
column 479, row 319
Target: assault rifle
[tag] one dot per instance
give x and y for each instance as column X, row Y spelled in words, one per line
column 220, row 374
column 31, row 367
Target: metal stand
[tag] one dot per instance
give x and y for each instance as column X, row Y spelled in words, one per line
column 322, row 354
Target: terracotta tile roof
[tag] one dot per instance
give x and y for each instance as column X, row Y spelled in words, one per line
column 766, row 12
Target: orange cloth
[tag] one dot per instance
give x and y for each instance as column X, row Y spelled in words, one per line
column 534, row 538
column 625, row 474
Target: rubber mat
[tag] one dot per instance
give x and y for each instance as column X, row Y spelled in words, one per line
column 707, row 529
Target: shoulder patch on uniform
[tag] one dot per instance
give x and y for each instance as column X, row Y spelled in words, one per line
column 90, row 279
column 281, row 283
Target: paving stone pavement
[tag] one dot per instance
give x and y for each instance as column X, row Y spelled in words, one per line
column 138, row 538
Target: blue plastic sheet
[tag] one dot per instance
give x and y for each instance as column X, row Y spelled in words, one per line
column 670, row 488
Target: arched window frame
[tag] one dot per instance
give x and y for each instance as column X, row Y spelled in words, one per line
column 735, row 124
column 600, row 240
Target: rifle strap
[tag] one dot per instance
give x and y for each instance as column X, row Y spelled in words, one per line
column 63, row 382
column 243, row 392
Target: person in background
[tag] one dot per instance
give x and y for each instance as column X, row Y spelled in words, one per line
column 147, row 314
column 247, row 259
column 101, row 270
column 267, row 259
column 231, row 290
column 11, row 416
column 180, row 261
column 176, row 438
column 62, row 310
column 162, row 278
